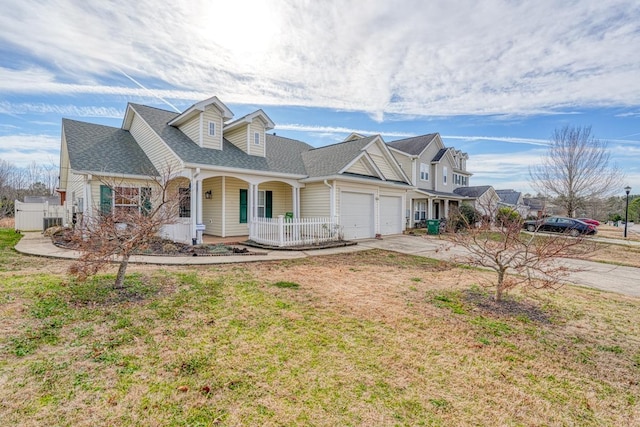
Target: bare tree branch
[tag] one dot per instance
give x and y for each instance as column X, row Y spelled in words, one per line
column 576, row 168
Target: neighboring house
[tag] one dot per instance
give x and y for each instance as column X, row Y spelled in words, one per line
column 514, row 200
column 232, row 175
column 435, row 171
column 483, row 198
column 536, row 205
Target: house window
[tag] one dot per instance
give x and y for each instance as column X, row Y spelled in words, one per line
column 212, row 129
column 444, row 175
column 184, row 207
column 265, row 204
column 424, row 172
column 256, row 138
column 420, row 212
column 125, row 200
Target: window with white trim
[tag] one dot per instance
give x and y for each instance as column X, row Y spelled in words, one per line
column 184, row 206
column 256, row 138
column 212, row 128
column 444, row 175
column 424, row 172
column 420, row 211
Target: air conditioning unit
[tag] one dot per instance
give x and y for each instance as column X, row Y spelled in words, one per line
column 51, row 222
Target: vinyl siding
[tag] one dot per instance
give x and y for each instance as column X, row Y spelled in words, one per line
column 212, row 114
column 238, row 137
column 159, row 154
column 405, row 164
column 192, row 129
column 314, row 201
column 233, row 226
column 257, row 150
column 212, row 208
column 386, row 169
column 360, row 168
column 282, row 197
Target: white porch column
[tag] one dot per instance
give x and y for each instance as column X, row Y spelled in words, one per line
column 251, row 202
column 295, row 195
column 446, row 208
column 199, row 210
column 430, row 208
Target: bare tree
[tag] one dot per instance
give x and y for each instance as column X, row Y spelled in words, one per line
column 518, row 258
column 576, row 168
column 116, row 232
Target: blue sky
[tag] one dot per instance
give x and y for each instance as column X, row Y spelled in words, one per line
column 494, row 78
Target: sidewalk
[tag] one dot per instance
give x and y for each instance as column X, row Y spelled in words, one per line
column 34, row 243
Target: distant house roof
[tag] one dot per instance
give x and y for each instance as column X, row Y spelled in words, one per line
column 509, row 197
column 105, row 149
column 331, row 159
column 472, row 192
column 414, row 145
column 534, row 203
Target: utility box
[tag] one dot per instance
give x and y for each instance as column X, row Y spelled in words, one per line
column 433, row 226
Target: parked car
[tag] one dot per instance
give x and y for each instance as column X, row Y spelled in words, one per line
column 590, row 221
column 557, row 224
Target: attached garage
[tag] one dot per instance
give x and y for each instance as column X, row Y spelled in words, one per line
column 390, row 215
column 357, row 215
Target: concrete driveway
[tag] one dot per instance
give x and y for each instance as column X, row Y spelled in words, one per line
column 607, row 277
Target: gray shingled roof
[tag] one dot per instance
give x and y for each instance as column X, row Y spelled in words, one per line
column 440, row 154
column 104, row 145
column 329, row 160
column 98, row 148
column 474, row 192
column 509, row 197
column 414, row 145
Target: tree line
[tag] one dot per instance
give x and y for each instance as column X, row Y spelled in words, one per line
column 16, row 183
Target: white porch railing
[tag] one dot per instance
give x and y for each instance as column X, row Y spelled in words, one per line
column 285, row 232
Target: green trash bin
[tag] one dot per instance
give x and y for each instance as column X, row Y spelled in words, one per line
column 433, row 226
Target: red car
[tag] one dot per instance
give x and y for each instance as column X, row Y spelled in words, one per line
column 590, row 221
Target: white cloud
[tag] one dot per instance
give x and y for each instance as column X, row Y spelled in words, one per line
column 21, row 150
column 341, row 130
column 65, row 110
column 405, row 57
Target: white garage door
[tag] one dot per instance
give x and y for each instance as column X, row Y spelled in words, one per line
column 356, row 215
column 390, row 215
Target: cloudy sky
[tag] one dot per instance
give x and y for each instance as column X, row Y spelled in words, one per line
column 494, row 78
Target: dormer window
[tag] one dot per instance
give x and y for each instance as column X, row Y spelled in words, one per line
column 212, row 128
column 256, row 138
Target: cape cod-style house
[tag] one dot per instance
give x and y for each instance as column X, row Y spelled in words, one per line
column 237, row 179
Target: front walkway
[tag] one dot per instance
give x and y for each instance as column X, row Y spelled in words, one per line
column 606, row 277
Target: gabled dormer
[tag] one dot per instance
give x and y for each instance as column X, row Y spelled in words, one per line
column 248, row 133
column 203, row 122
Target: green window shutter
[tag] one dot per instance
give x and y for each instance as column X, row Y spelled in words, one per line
column 145, row 200
column 243, row 206
column 268, row 204
column 106, row 199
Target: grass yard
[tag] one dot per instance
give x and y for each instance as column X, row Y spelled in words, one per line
column 370, row 338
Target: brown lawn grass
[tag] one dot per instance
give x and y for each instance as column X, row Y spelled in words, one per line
column 370, row 338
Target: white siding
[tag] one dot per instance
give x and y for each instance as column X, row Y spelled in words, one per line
column 157, row 151
column 315, row 201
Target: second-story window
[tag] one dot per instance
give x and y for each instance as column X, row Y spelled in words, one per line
column 212, row 129
column 444, row 175
column 256, row 138
column 424, row 172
